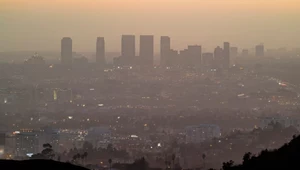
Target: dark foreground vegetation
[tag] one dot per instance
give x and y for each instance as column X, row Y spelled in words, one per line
column 37, row 165
column 286, row 157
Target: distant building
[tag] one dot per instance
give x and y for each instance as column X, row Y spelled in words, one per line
column 172, row 58
column 80, row 61
column 147, row 49
column 226, row 55
column 35, row 60
column 165, row 47
column 218, row 57
column 200, row 133
column 66, row 51
column 128, row 46
column 100, row 51
column 194, row 53
column 27, row 142
column 207, row 59
column 259, row 50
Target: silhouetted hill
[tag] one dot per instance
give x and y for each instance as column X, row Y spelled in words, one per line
column 286, row 157
column 37, row 165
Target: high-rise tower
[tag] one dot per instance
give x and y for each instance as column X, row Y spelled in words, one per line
column 100, row 51
column 147, row 49
column 66, row 51
column 226, row 55
column 165, row 47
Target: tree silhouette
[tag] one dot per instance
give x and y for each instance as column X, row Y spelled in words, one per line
column 203, row 157
column 47, row 153
column 227, row 165
column 173, row 160
column 109, row 161
column 247, row 157
column 140, row 164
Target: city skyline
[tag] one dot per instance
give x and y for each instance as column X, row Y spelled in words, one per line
column 149, row 84
column 190, row 56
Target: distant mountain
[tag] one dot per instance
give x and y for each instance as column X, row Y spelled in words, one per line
column 37, row 165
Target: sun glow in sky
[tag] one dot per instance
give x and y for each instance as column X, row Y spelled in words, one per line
column 40, row 24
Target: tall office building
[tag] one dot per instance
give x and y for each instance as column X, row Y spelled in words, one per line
column 207, row 59
column 147, row 49
column 27, row 142
column 100, row 51
column 194, row 55
column 226, row 55
column 128, row 46
column 259, row 50
column 66, row 51
column 218, row 56
column 165, row 48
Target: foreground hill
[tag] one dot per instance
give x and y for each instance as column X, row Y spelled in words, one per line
column 286, row 157
column 37, row 165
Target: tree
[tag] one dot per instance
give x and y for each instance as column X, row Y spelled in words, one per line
column 203, row 157
column 173, row 160
column 140, row 164
column 85, row 154
column 247, row 157
column 109, row 161
column 227, row 165
column 47, row 153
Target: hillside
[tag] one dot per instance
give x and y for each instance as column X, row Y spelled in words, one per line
column 286, row 157
column 37, row 165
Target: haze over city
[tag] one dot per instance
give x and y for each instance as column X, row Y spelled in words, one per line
column 39, row 25
column 149, row 84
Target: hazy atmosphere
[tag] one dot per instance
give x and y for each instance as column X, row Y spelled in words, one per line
column 40, row 24
column 149, row 84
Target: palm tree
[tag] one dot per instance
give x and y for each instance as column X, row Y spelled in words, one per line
column 85, row 154
column 203, row 157
column 82, row 158
column 109, row 161
column 173, row 160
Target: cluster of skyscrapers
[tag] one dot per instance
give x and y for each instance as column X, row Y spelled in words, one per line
column 192, row 56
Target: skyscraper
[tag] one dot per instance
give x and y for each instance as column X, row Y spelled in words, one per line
column 259, row 50
column 147, row 49
column 207, row 59
column 100, row 51
column 194, row 53
column 226, row 55
column 128, row 46
column 66, row 51
column 165, row 47
column 218, row 56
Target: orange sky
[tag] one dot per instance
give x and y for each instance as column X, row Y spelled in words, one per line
column 206, row 22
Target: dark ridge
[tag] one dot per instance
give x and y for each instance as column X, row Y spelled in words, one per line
column 37, row 165
column 286, row 157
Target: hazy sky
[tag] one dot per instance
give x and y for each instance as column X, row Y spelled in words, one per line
column 40, row 24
